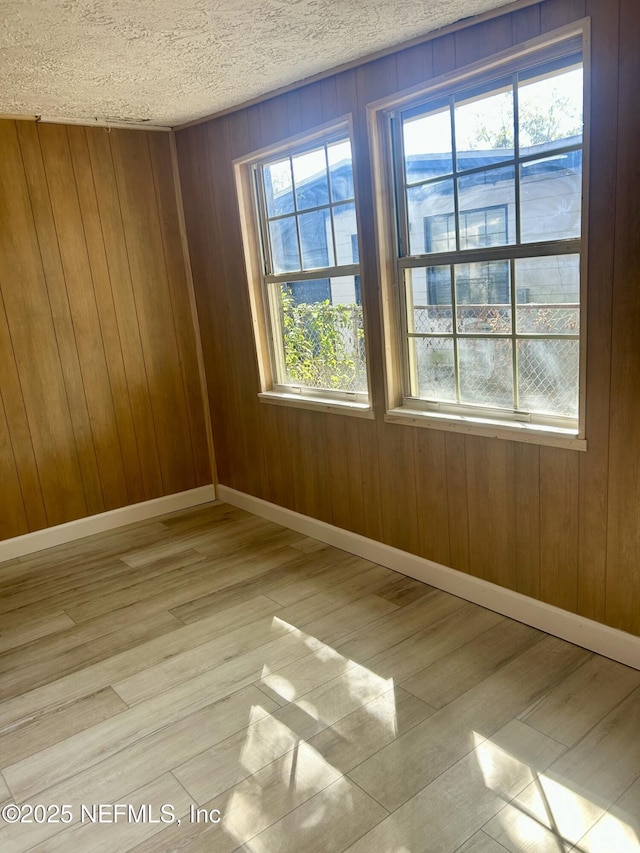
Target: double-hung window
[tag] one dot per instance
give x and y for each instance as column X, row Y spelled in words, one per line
column 487, row 182
column 306, row 228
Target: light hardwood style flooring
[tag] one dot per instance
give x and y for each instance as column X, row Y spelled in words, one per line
column 213, row 661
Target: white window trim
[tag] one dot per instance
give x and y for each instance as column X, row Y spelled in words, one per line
column 356, row 404
column 405, row 411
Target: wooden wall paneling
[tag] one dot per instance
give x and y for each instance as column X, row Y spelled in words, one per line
column 243, row 354
column 398, row 486
column 98, row 442
column 205, row 251
column 347, row 92
column 525, row 23
column 20, row 435
column 28, row 312
column 93, row 231
column 276, row 451
column 329, row 98
column 240, row 133
column 339, row 480
column 133, row 357
column 485, row 39
column 274, row 120
column 309, row 463
column 557, row 13
column 415, row 65
column 219, row 294
column 455, row 455
column 13, row 516
column 623, row 543
column 491, row 509
column 527, row 518
column 372, row 497
column 255, row 130
column 444, row 54
column 599, row 237
column 246, row 136
column 43, row 177
column 431, row 494
column 293, row 101
column 143, row 238
column 162, row 168
column 358, row 497
column 559, row 490
column 312, row 107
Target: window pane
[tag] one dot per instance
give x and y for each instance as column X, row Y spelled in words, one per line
column 428, row 294
column 548, row 376
column 483, row 297
column 487, row 204
column 284, row 244
column 486, row 372
column 344, row 221
column 341, row 170
column 278, row 186
column 431, row 218
column 548, row 295
column 549, row 109
column 310, row 175
column 322, row 334
column 551, row 197
column 316, row 241
column 427, row 146
column 484, row 127
column 434, row 368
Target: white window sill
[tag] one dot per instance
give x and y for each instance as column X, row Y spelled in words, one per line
column 508, row 430
column 318, row 404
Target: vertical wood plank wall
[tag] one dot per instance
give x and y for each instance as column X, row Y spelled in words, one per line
column 553, row 524
column 100, row 404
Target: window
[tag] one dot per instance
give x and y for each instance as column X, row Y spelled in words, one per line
column 487, row 183
column 309, row 271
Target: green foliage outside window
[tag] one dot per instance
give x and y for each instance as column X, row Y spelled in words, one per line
column 323, row 344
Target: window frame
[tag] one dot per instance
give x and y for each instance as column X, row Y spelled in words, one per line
column 261, row 278
column 465, row 418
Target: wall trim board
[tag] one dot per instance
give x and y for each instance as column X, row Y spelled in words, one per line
column 599, row 638
column 39, row 540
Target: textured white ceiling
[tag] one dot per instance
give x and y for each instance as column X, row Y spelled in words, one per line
column 169, row 61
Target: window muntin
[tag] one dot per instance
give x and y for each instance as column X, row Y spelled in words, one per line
column 488, row 196
column 311, row 275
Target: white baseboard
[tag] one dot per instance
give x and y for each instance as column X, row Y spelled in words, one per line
column 596, row 637
column 19, row 546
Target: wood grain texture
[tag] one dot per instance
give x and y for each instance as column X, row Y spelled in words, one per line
column 101, row 404
column 319, row 701
column 623, row 579
column 491, row 510
column 559, row 477
column 539, row 520
column 600, row 233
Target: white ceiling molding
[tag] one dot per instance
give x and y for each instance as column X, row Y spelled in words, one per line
column 166, row 62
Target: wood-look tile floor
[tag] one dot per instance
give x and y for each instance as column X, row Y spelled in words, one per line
column 317, row 702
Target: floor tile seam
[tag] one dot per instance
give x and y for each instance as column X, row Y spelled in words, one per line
column 147, row 736
column 277, row 820
column 301, row 740
column 460, row 696
column 431, row 781
column 608, row 812
column 598, row 722
column 101, row 682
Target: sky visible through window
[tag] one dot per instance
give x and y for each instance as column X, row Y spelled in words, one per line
column 538, row 96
